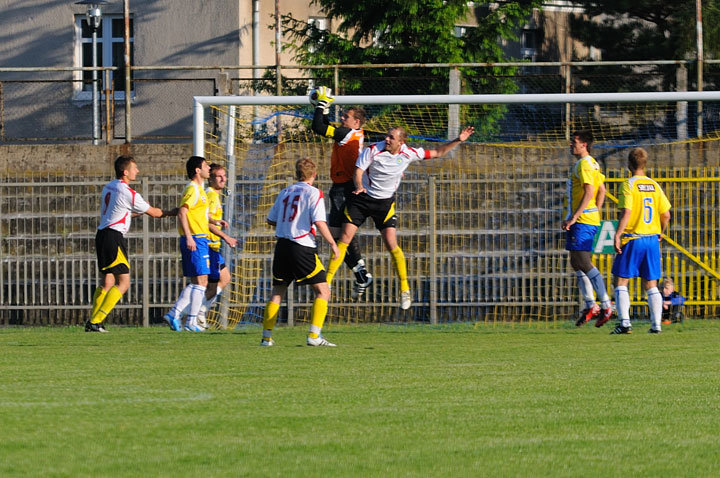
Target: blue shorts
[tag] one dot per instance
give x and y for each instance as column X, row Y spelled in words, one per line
column 640, row 258
column 217, row 263
column 580, row 237
column 195, row 263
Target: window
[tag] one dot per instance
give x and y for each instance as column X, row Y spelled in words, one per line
column 110, row 52
column 462, row 30
column 320, row 23
column 528, row 48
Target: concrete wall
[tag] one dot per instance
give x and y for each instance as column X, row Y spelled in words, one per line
column 76, row 161
column 39, row 33
column 169, row 159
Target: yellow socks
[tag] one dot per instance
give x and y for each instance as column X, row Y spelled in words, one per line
column 97, row 300
column 400, row 267
column 111, row 298
column 319, row 311
column 270, row 316
column 334, row 264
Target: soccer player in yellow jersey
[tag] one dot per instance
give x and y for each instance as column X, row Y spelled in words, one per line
column 194, row 229
column 645, row 216
column 586, row 194
column 219, row 276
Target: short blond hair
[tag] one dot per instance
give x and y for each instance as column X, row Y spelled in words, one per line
column 637, row 159
column 402, row 134
column 305, row 169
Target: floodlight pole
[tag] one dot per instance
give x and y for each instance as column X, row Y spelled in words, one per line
column 93, row 16
column 95, row 102
column 700, row 55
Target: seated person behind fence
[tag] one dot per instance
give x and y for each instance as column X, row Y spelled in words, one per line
column 672, row 303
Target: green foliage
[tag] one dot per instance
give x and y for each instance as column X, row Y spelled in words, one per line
column 627, row 30
column 403, row 31
column 648, row 29
column 456, row 400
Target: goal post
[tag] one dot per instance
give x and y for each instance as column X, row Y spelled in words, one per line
column 201, row 102
column 488, row 246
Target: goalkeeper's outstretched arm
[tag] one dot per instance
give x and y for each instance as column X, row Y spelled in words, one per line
column 321, row 124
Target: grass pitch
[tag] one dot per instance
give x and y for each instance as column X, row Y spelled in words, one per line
column 455, row 400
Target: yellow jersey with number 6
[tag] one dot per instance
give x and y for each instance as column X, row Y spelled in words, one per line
column 646, row 201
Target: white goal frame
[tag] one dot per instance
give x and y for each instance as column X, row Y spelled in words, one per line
column 201, row 102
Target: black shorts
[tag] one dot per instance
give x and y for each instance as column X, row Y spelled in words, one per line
column 293, row 262
column 362, row 206
column 112, row 255
column 339, row 195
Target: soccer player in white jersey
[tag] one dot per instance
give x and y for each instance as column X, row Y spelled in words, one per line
column 586, row 194
column 348, row 143
column 377, row 176
column 119, row 202
column 297, row 215
column 645, row 217
column 219, row 276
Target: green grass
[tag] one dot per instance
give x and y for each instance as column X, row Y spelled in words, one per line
column 455, row 400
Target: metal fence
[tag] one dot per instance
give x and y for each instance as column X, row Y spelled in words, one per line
column 44, row 104
column 486, row 247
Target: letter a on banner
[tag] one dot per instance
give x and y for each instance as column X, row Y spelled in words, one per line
column 604, row 242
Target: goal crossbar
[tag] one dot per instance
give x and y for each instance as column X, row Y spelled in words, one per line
column 200, row 102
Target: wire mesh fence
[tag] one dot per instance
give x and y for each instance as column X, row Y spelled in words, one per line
column 47, row 105
column 487, row 248
column 498, row 251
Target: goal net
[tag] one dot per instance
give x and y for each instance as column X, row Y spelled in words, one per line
column 481, row 228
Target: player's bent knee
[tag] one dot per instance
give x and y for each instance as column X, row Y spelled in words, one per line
column 322, row 291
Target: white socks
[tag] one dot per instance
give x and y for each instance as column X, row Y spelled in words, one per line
column 197, row 295
column 182, row 302
column 622, row 303
column 655, row 301
column 208, row 303
column 190, row 300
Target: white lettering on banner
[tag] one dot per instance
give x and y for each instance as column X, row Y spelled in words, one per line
column 605, row 238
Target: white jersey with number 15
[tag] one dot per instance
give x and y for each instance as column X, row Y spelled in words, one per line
column 295, row 211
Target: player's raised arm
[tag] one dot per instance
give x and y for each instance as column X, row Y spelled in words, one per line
column 450, row 145
column 322, row 98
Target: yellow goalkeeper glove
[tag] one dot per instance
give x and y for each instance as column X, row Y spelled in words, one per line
column 324, row 98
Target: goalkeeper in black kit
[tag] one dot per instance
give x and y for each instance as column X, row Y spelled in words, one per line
column 347, row 147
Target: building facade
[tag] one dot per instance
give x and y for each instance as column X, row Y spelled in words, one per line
column 178, row 49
